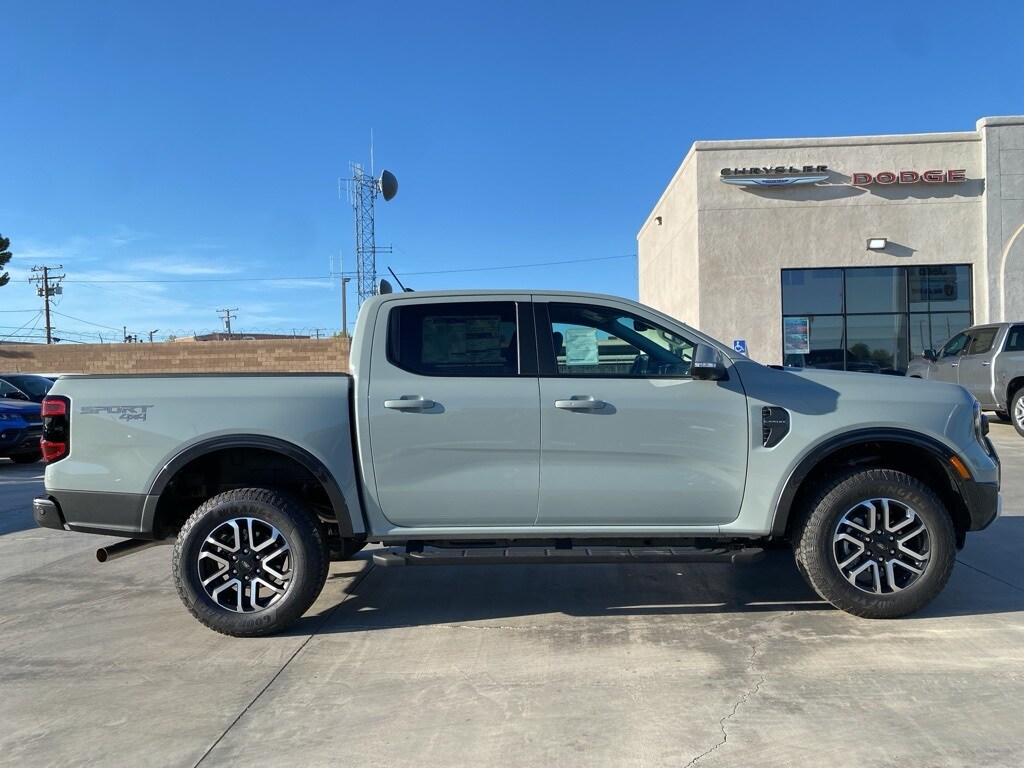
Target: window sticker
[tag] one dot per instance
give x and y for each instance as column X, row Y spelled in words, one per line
column 796, row 335
column 472, row 339
column 581, row 346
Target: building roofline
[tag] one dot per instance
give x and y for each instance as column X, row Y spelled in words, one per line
column 830, row 141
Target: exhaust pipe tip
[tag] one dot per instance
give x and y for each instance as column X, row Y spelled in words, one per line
column 127, row 547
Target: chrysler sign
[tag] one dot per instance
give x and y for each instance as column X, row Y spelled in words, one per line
column 774, row 175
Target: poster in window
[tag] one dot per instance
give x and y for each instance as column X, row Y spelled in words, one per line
column 581, row 346
column 932, row 284
column 465, row 339
column 796, row 335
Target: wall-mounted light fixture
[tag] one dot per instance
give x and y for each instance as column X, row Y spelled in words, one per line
column 658, row 219
column 877, row 243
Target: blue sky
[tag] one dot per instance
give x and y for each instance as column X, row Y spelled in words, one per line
column 204, row 141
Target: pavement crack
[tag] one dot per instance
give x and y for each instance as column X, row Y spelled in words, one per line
column 314, row 633
column 755, row 649
column 985, row 573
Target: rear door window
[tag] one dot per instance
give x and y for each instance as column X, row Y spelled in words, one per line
column 455, row 339
column 981, row 341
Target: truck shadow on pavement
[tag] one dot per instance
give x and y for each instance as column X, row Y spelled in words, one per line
column 390, row 598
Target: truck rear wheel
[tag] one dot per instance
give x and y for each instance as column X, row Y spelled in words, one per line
column 876, row 543
column 250, row 562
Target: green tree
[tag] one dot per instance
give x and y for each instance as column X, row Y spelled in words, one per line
column 5, row 256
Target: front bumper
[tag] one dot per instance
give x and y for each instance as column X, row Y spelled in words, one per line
column 983, row 503
column 20, row 439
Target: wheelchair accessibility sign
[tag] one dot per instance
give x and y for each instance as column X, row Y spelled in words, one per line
column 740, row 345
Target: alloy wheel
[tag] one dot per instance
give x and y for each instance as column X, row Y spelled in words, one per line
column 881, row 546
column 245, row 565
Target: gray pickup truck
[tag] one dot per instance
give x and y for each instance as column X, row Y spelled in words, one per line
column 987, row 361
column 507, row 427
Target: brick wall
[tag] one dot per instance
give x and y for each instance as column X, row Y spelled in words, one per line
column 264, row 355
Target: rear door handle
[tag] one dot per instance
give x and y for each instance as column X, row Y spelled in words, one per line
column 409, row 403
column 954, row 365
column 580, row 403
column 986, row 363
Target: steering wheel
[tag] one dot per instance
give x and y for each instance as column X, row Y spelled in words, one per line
column 639, row 366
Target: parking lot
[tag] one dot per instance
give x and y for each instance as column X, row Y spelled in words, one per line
column 516, row 665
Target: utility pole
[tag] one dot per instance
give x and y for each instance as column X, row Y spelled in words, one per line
column 228, row 317
column 344, row 306
column 49, row 286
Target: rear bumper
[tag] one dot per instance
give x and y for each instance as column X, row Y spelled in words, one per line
column 47, row 513
column 108, row 514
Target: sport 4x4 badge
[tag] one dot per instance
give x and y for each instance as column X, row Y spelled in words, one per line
column 123, row 412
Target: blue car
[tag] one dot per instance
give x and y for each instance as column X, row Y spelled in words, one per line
column 21, row 428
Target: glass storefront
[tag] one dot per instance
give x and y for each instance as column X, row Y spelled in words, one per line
column 871, row 319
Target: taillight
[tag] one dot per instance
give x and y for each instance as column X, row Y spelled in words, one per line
column 56, row 442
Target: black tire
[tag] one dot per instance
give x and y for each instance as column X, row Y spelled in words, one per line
column 817, row 559
column 306, row 559
column 26, row 458
column 1017, row 411
column 1003, row 416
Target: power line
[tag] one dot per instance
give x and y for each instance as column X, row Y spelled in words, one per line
column 87, row 322
column 349, row 274
column 36, row 318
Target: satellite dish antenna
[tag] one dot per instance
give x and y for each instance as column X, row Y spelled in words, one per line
column 385, row 287
column 387, row 184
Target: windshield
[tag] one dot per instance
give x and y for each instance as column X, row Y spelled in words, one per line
column 33, row 385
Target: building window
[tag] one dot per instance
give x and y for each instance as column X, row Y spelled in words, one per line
column 871, row 319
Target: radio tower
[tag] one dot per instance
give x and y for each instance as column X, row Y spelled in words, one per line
column 363, row 190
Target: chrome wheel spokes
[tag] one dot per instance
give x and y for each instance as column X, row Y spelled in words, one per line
column 881, row 546
column 245, row 565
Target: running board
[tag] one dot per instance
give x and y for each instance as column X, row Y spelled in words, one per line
column 389, row 558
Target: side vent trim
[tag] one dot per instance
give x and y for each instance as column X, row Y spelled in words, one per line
column 774, row 425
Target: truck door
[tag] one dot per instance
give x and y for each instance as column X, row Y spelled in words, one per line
column 975, row 368
column 945, row 366
column 627, row 437
column 453, row 415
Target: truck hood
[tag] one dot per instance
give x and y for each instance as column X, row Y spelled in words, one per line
column 19, row 407
column 885, row 390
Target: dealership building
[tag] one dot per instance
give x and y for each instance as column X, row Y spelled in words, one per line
column 855, row 252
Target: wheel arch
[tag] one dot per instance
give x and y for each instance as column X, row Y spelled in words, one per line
column 921, row 456
column 272, row 445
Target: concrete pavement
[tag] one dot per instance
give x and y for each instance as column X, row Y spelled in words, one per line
column 524, row 665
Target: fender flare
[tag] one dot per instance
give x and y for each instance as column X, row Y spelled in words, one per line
column 264, row 442
column 829, row 446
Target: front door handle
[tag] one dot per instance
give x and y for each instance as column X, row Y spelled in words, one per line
column 409, row 403
column 954, row 365
column 986, row 363
column 580, row 403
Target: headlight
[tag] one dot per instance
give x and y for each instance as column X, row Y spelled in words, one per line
column 980, row 425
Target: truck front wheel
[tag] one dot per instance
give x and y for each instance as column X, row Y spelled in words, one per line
column 876, row 543
column 250, row 562
column 1017, row 411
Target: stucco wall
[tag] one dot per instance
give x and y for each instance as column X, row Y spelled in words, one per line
column 1004, row 216
column 745, row 236
column 262, row 356
column 669, row 270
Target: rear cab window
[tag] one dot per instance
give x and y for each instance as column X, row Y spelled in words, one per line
column 473, row 338
column 1015, row 339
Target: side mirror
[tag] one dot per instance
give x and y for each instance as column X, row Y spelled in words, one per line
column 931, row 354
column 15, row 396
column 707, row 364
